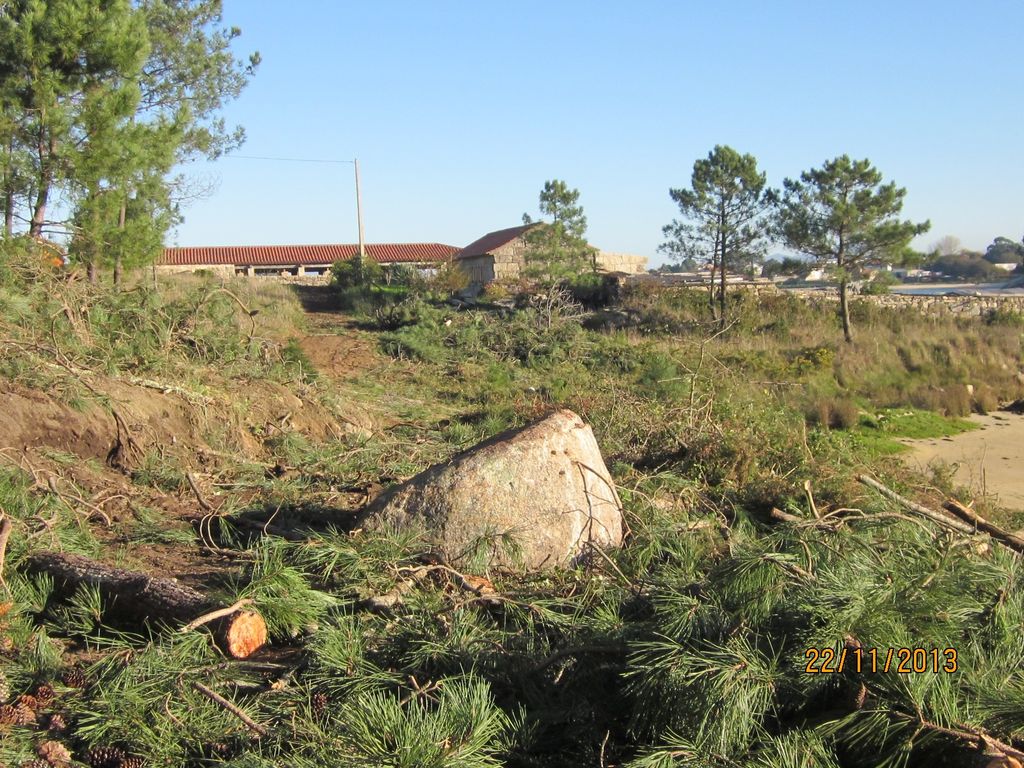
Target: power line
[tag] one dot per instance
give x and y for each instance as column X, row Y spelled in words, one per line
column 290, row 159
column 359, row 197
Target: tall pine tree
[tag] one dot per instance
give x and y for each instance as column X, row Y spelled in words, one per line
column 723, row 219
column 843, row 214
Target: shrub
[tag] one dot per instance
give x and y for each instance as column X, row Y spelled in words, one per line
column 1005, row 317
column 880, row 284
column 356, row 273
column 985, row 399
column 834, row 413
column 401, row 274
column 953, row 400
column 813, row 359
column 660, row 377
column 447, row 280
column 496, row 291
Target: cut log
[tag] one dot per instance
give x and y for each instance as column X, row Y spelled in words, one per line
column 969, row 516
column 133, row 597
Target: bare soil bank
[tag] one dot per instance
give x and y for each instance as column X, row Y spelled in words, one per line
column 988, row 460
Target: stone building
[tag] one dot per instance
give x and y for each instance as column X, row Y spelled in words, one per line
column 296, row 260
column 500, row 255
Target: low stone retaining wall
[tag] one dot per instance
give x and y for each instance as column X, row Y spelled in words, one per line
column 968, row 306
column 300, row 279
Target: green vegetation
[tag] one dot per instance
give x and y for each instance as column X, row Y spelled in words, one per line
column 686, row 647
column 175, row 331
column 1003, row 250
column 966, row 266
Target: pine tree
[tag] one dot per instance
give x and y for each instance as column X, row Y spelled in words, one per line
column 723, row 218
column 557, row 250
column 842, row 213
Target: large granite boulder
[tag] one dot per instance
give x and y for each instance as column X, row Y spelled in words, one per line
column 534, row 497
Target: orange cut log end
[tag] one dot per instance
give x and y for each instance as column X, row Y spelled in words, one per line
column 245, row 633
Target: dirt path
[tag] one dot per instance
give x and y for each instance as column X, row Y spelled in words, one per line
column 335, row 348
column 988, row 460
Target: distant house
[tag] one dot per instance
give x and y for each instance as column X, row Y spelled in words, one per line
column 816, row 275
column 300, row 260
column 500, row 255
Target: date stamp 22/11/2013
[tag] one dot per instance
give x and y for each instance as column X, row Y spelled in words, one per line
column 907, row 661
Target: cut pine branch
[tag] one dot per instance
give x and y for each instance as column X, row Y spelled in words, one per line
column 234, row 709
column 132, row 597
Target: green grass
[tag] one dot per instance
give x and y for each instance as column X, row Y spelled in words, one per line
column 915, row 424
column 881, row 434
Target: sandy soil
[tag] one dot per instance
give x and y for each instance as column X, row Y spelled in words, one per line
column 989, row 460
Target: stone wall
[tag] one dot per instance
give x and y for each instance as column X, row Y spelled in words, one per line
column 968, row 306
column 628, row 263
column 509, row 259
column 302, row 279
column 222, row 270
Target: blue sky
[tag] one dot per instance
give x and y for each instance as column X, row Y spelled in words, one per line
column 459, row 111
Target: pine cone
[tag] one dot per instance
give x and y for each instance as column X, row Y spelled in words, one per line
column 74, row 678
column 44, row 694
column 319, row 702
column 17, row 714
column 37, row 763
column 105, row 757
column 54, row 753
column 133, row 762
column 218, row 749
column 862, row 696
column 5, row 689
column 28, row 701
column 57, row 723
column 6, row 714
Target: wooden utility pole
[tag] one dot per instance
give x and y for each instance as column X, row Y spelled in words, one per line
column 359, row 216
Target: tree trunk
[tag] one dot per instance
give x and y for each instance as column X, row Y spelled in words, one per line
column 92, row 272
column 35, row 229
column 134, row 598
column 118, row 269
column 46, row 151
column 711, row 292
column 714, row 274
column 9, row 211
column 721, row 293
column 844, row 309
column 9, row 193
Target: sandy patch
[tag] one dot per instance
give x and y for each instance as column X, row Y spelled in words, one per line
column 989, row 460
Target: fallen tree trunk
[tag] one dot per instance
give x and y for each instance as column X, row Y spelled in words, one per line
column 946, row 521
column 135, row 597
column 969, row 516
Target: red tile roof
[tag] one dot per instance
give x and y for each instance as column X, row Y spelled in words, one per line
column 492, row 241
column 285, row 255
